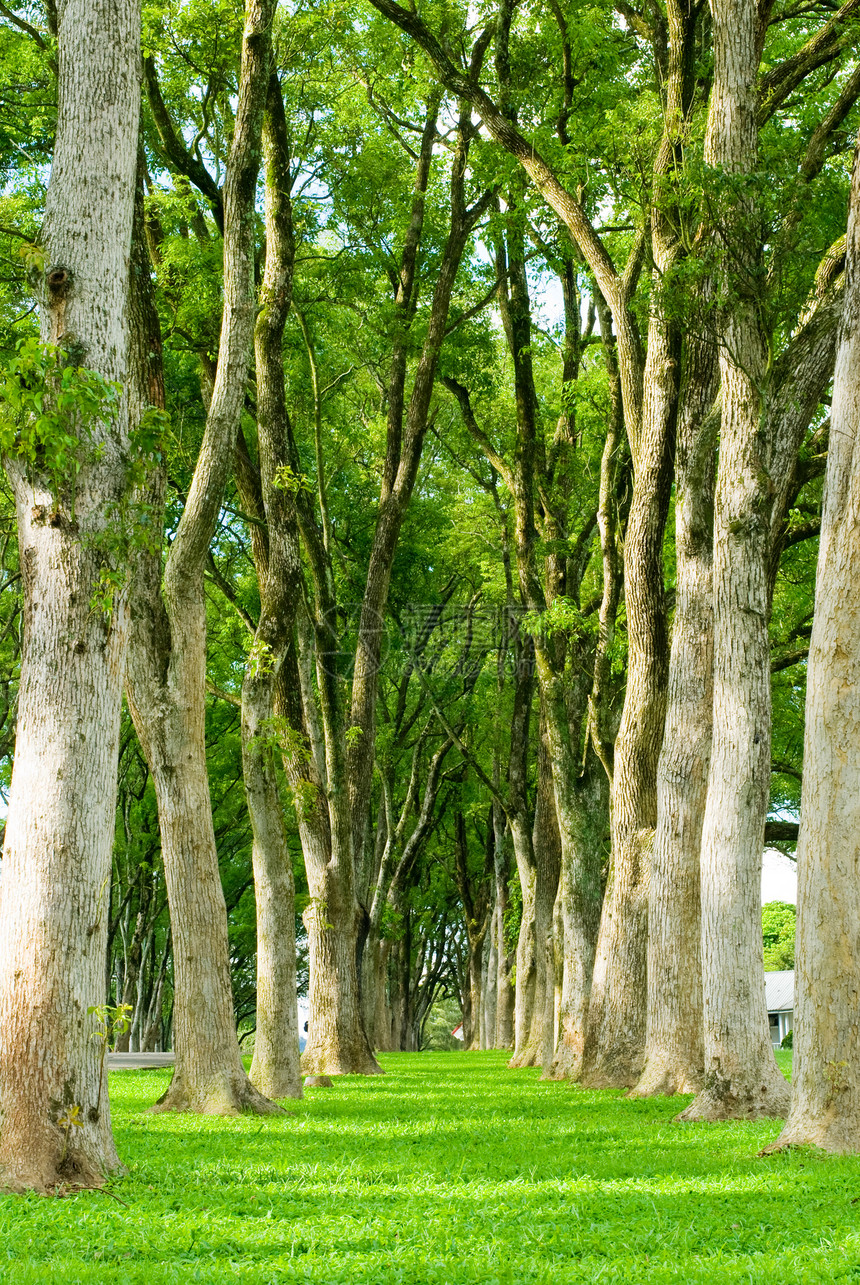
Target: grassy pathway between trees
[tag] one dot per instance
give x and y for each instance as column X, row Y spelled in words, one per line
column 449, row 1169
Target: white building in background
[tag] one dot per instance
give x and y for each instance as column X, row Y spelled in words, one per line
column 304, row 1005
column 779, row 994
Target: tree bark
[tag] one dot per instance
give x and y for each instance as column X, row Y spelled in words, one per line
column 166, row 684
column 825, row 1106
column 741, row 1075
column 674, row 1043
column 60, row 826
column 584, row 816
column 337, row 1042
column 490, row 981
column 614, row 1049
column 520, row 825
column 396, row 860
column 526, row 962
column 504, row 1029
column 134, row 957
column 475, row 896
column 534, row 1028
column 275, row 1068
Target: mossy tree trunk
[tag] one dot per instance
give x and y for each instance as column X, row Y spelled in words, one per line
column 166, row 683
column 59, row 832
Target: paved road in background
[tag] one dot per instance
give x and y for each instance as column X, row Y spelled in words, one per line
column 138, row 1061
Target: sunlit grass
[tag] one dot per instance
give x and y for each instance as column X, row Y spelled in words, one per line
column 449, row 1169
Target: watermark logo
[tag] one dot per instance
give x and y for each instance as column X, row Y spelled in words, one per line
column 432, row 637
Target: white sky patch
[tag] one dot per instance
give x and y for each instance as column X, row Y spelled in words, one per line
column 778, row 878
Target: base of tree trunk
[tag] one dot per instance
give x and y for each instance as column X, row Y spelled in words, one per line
column 46, row 1176
column 340, row 1061
column 42, row 1159
column 566, row 1064
column 526, row 1056
column 275, row 1070
column 765, row 1096
column 665, row 1076
column 274, row 1083
column 559, row 1071
column 224, row 1093
column 337, row 1040
column 833, row 1134
column 616, row 1069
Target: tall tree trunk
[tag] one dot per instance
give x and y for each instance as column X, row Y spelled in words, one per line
column 131, row 985
column 583, row 824
column 152, row 1041
column 490, row 976
column 521, row 830
column 825, row 1105
column 60, row 826
column 474, row 893
column 615, row 1037
column 674, row 1046
column 209, row 1075
column 389, row 869
column 547, row 848
column 673, row 1040
column 338, row 1044
column 166, row 684
column 275, row 1068
column 476, row 993
column 526, row 963
column 741, row 1075
column 504, row 1032
column 337, row 1039
column 581, row 799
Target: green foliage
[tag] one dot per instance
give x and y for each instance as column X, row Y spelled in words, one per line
column 513, row 914
column 778, row 920
column 111, row 1019
column 788, row 1041
column 49, row 408
column 260, row 659
column 391, row 923
column 286, row 480
column 443, row 1018
column 52, row 415
column 563, row 615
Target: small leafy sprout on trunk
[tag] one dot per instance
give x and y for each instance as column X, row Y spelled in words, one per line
column 113, row 1021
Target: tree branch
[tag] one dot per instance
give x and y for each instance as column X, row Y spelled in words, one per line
column 175, row 150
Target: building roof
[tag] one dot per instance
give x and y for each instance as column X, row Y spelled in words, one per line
column 779, row 991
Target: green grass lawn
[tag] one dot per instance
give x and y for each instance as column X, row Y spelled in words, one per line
column 448, row 1169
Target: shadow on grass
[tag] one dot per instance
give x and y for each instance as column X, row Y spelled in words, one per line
column 450, row 1169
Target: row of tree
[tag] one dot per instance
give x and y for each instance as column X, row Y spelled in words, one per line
column 391, row 488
